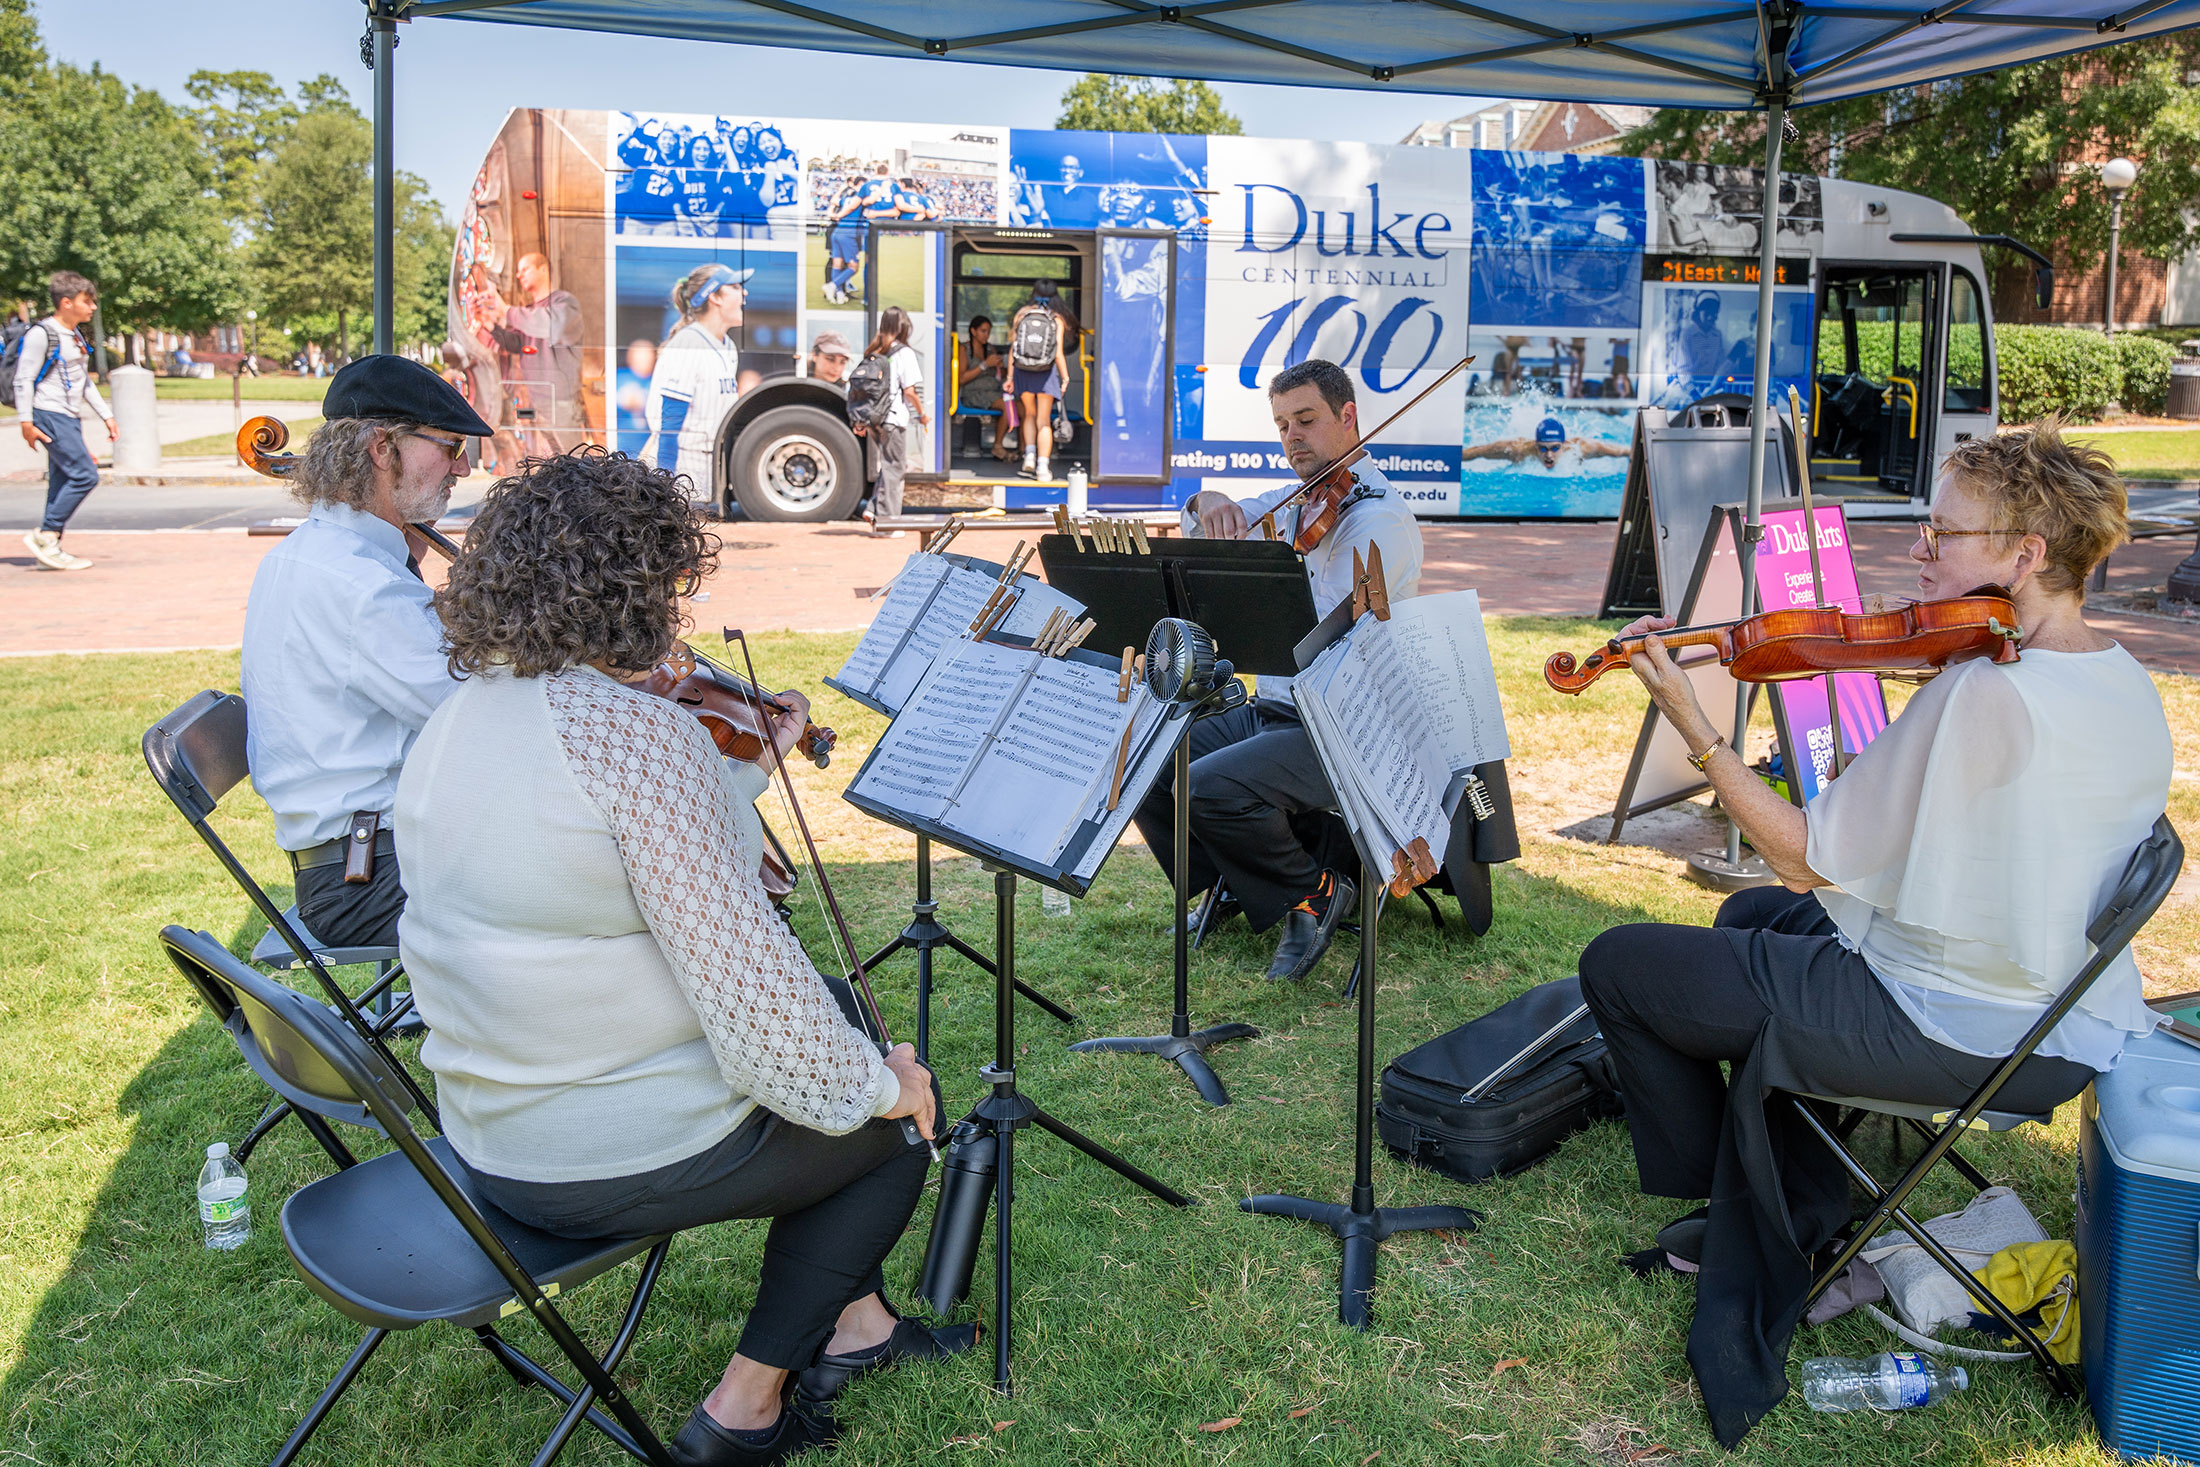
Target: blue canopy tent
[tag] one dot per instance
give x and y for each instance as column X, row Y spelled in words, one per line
column 1766, row 56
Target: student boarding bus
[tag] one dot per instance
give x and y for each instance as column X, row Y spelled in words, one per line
column 1192, row 269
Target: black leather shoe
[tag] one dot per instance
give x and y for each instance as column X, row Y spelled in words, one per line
column 702, row 1442
column 1310, row 925
column 817, row 1386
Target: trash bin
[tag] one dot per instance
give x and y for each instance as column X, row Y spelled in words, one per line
column 2184, row 388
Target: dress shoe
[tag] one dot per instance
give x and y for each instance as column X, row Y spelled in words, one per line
column 702, row 1442
column 816, row 1387
column 1310, row 925
column 1224, row 910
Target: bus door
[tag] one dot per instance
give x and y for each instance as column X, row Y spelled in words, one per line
column 1134, row 328
column 905, row 264
column 996, row 273
column 1967, row 406
column 1876, row 407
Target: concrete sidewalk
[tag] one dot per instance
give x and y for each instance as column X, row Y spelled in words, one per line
column 175, row 589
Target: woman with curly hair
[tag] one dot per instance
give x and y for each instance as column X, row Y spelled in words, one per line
column 626, row 1038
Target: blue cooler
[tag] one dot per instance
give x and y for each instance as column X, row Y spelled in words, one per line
column 2139, row 1250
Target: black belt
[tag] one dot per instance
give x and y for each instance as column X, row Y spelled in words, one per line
column 331, row 852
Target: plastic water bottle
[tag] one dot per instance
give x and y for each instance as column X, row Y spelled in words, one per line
column 1893, row 1381
column 1054, row 903
column 224, row 1208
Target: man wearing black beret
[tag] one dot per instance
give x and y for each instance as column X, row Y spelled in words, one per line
column 343, row 654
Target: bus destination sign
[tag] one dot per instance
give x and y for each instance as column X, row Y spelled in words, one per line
column 1721, row 270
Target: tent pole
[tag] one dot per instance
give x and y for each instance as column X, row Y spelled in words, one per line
column 1760, row 419
column 382, row 32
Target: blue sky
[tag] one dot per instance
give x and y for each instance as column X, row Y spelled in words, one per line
column 457, row 79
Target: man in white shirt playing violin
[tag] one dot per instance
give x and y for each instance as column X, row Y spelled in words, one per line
column 1255, row 776
column 343, row 653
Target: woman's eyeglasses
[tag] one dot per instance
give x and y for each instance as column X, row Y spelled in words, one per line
column 1934, row 535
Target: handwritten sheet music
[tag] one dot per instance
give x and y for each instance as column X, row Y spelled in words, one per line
column 1442, row 640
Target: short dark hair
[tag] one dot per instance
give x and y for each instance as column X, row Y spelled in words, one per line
column 64, row 283
column 1331, row 380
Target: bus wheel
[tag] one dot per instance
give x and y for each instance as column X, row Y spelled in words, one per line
column 797, row 465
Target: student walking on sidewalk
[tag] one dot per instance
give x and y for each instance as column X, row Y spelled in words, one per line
column 53, row 381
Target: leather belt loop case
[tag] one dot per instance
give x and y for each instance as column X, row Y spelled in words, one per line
column 359, row 851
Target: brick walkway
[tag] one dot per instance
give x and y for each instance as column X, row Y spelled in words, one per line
column 185, row 589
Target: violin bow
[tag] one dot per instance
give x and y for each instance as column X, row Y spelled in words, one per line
column 1817, row 575
column 836, row 923
column 1365, row 438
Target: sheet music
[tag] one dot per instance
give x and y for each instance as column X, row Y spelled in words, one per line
column 1033, row 783
column 905, row 601
column 942, row 727
column 955, row 604
column 1148, row 735
column 1035, row 601
column 1441, row 638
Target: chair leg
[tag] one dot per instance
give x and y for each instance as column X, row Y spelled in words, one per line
column 1978, row 1179
column 336, row 1387
column 337, row 1151
column 1436, row 913
column 268, row 1121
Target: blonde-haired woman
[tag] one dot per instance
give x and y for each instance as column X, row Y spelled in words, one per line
column 697, row 374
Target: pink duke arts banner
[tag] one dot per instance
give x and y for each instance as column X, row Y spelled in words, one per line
column 1784, row 581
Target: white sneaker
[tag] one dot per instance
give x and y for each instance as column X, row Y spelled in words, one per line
column 45, row 547
column 1044, row 471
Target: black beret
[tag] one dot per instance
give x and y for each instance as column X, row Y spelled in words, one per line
column 402, row 389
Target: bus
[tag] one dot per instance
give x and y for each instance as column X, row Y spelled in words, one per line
column 1192, row 268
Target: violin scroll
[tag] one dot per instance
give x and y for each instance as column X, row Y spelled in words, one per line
column 259, row 442
column 1567, row 675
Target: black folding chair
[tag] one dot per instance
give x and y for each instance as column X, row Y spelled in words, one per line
column 197, row 756
column 2147, row 879
column 398, row 1240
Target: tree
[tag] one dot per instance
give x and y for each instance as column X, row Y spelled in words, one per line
column 110, row 181
column 1098, row 103
column 242, row 117
column 314, row 251
column 2013, row 152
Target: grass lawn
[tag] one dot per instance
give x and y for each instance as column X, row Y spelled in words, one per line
column 226, row 443
column 2148, row 455
column 270, row 388
column 123, row 1341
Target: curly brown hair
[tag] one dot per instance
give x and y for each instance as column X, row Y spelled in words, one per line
column 578, row 558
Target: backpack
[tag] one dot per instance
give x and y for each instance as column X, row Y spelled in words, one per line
column 1038, row 338
column 13, row 352
column 870, row 387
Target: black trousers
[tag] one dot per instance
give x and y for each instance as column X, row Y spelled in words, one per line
column 340, row 915
column 838, row 1204
column 1770, row 990
column 1256, row 784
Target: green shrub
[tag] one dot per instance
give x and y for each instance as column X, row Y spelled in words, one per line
column 2144, row 363
column 2045, row 369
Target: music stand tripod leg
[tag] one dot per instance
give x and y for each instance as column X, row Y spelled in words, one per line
column 924, row 933
column 1181, row 1044
column 1000, row 1116
column 1361, row 1226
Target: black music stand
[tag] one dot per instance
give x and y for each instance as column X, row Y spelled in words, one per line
column 1253, row 599
column 995, row 1120
column 1360, row 1225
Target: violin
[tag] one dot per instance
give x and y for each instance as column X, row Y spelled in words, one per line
column 1326, row 492
column 734, row 711
column 1805, row 641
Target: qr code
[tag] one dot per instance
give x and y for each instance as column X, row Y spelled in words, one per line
column 1821, row 751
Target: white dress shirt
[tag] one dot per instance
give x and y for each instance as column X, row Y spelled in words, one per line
column 1380, row 518
column 343, row 663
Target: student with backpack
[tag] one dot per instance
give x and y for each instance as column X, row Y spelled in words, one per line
column 51, row 379
column 884, row 391
column 1038, row 368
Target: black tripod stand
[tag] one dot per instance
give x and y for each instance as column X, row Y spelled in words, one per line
column 925, row 933
column 1363, row 1226
column 991, row 1128
column 1181, row 1044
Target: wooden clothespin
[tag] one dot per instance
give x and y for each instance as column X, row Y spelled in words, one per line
column 1370, row 591
column 1061, row 519
column 1411, row 867
column 986, row 610
column 1074, row 638
column 1122, row 758
column 1053, row 623
column 1138, row 532
column 1268, row 524
column 1123, row 687
column 949, row 531
column 1138, row 667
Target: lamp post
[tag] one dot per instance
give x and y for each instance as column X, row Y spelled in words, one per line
column 2117, row 176
column 252, row 319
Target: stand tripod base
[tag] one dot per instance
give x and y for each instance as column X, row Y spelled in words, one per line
column 1187, row 1051
column 1711, row 868
column 1361, row 1232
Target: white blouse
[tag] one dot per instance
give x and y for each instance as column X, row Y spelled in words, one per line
column 607, row 988
column 1973, row 841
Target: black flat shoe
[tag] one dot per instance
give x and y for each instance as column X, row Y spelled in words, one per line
column 1310, row 925
column 910, row 1340
column 702, row 1442
column 1679, row 1249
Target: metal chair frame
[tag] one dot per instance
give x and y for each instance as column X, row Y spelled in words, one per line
column 2147, row 879
column 340, row 1068
column 197, row 756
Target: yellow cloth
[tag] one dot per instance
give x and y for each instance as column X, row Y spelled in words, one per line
column 2044, row 1276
